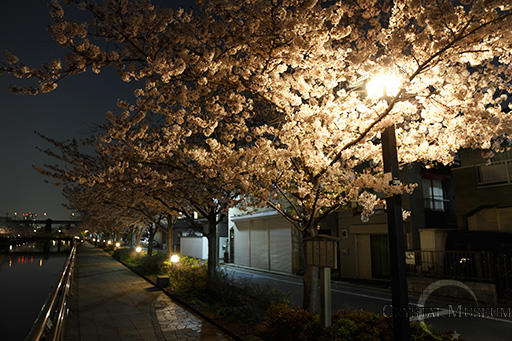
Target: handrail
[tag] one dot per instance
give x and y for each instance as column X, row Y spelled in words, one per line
column 49, row 324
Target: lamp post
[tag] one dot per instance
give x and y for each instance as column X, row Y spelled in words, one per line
column 399, row 292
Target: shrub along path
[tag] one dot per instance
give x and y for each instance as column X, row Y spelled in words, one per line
column 110, row 302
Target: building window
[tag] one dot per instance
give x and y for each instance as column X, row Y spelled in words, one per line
column 433, row 194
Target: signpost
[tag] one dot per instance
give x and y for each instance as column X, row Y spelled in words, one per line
column 322, row 251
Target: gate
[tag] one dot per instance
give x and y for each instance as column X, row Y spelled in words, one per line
column 504, row 277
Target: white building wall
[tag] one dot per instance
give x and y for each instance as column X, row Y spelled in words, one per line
column 196, row 247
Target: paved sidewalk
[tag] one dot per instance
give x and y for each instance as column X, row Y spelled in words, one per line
column 110, row 302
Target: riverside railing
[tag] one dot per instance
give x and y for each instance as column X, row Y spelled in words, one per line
column 50, row 323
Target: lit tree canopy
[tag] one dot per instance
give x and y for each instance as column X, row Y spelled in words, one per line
column 276, row 87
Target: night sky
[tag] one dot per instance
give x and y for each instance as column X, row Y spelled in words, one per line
column 71, row 111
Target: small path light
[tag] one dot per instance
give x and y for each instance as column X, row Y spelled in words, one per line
column 174, row 261
column 138, row 249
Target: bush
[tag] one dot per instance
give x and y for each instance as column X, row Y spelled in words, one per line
column 243, row 300
column 287, row 323
column 237, row 300
column 141, row 262
column 149, row 265
column 359, row 325
column 188, row 276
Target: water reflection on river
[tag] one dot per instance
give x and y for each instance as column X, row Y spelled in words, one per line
column 26, row 278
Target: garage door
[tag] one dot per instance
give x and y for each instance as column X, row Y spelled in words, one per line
column 264, row 243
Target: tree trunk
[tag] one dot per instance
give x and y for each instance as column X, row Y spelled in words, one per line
column 152, row 232
column 212, row 252
column 138, row 233
column 311, row 295
column 170, row 248
column 170, row 225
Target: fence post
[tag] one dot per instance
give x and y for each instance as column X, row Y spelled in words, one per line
column 478, row 267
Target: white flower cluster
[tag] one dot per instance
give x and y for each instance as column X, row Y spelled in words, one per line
column 264, row 104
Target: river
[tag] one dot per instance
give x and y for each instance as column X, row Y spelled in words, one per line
column 27, row 276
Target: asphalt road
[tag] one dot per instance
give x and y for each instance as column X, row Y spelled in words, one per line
column 468, row 323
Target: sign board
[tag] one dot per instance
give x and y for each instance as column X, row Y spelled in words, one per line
column 410, row 258
column 321, row 251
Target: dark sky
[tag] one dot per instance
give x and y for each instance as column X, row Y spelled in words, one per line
column 70, row 111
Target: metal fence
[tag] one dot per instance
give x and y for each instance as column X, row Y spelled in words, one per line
column 49, row 325
column 464, row 265
column 504, row 277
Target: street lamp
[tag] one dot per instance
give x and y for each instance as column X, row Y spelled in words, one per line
column 384, row 87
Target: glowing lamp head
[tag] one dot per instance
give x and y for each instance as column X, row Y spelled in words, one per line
column 138, row 249
column 383, row 85
column 118, row 244
column 175, row 259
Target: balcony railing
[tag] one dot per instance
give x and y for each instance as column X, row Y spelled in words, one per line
column 462, row 265
column 497, row 173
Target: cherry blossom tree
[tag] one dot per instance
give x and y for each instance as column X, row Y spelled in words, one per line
column 165, row 162
column 141, row 176
column 93, row 188
column 273, row 87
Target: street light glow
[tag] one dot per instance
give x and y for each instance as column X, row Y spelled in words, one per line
column 383, row 85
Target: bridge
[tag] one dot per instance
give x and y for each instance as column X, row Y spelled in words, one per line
column 15, row 232
column 48, row 223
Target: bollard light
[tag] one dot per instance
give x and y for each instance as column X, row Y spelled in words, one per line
column 175, row 259
column 138, row 249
